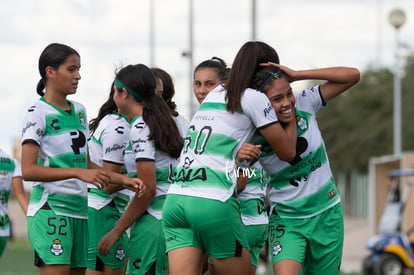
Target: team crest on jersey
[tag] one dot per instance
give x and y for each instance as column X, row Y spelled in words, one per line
column 301, row 122
column 56, row 248
column 120, row 252
column 40, row 132
column 82, row 119
column 277, row 248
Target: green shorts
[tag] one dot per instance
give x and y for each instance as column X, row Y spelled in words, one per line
column 58, row 239
column 147, row 247
column 314, row 242
column 256, row 236
column 213, row 226
column 101, row 222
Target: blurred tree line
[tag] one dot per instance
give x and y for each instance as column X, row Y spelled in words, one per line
column 358, row 124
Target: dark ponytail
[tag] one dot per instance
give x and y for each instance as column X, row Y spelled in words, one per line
column 41, row 85
column 140, row 83
column 163, row 129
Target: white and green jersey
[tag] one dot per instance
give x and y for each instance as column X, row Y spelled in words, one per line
column 62, row 139
column 9, row 169
column 207, row 161
column 143, row 150
column 252, row 198
column 108, row 144
column 304, row 187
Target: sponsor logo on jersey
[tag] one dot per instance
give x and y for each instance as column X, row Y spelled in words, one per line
column 55, row 125
column 120, row 129
column 172, row 238
column 114, row 147
column 28, row 125
column 78, row 141
column 187, row 162
column 331, row 194
column 31, row 108
column 139, row 125
column 137, row 145
column 268, row 110
column 5, row 160
column 137, row 263
column 187, row 175
column 4, row 220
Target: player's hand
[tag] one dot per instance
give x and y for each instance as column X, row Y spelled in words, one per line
column 248, row 152
column 107, row 241
column 97, row 177
column 290, row 74
column 136, row 185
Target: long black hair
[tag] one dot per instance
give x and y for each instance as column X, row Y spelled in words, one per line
column 140, row 84
column 53, row 55
column 246, row 64
column 168, row 90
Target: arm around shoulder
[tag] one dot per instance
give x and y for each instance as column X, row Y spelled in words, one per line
column 283, row 142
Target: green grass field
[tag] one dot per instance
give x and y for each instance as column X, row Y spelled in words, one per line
column 17, row 259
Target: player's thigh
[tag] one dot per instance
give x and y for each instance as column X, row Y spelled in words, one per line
column 185, row 261
column 237, row 265
column 324, row 253
column 256, row 236
column 287, row 239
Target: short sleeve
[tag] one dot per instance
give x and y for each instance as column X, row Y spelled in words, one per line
column 142, row 147
column 310, row 100
column 33, row 125
column 257, row 106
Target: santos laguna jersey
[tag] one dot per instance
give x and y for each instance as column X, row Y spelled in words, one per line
column 108, row 143
column 144, row 149
column 304, row 187
column 9, row 168
column 62, row 139
column 207, row 161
